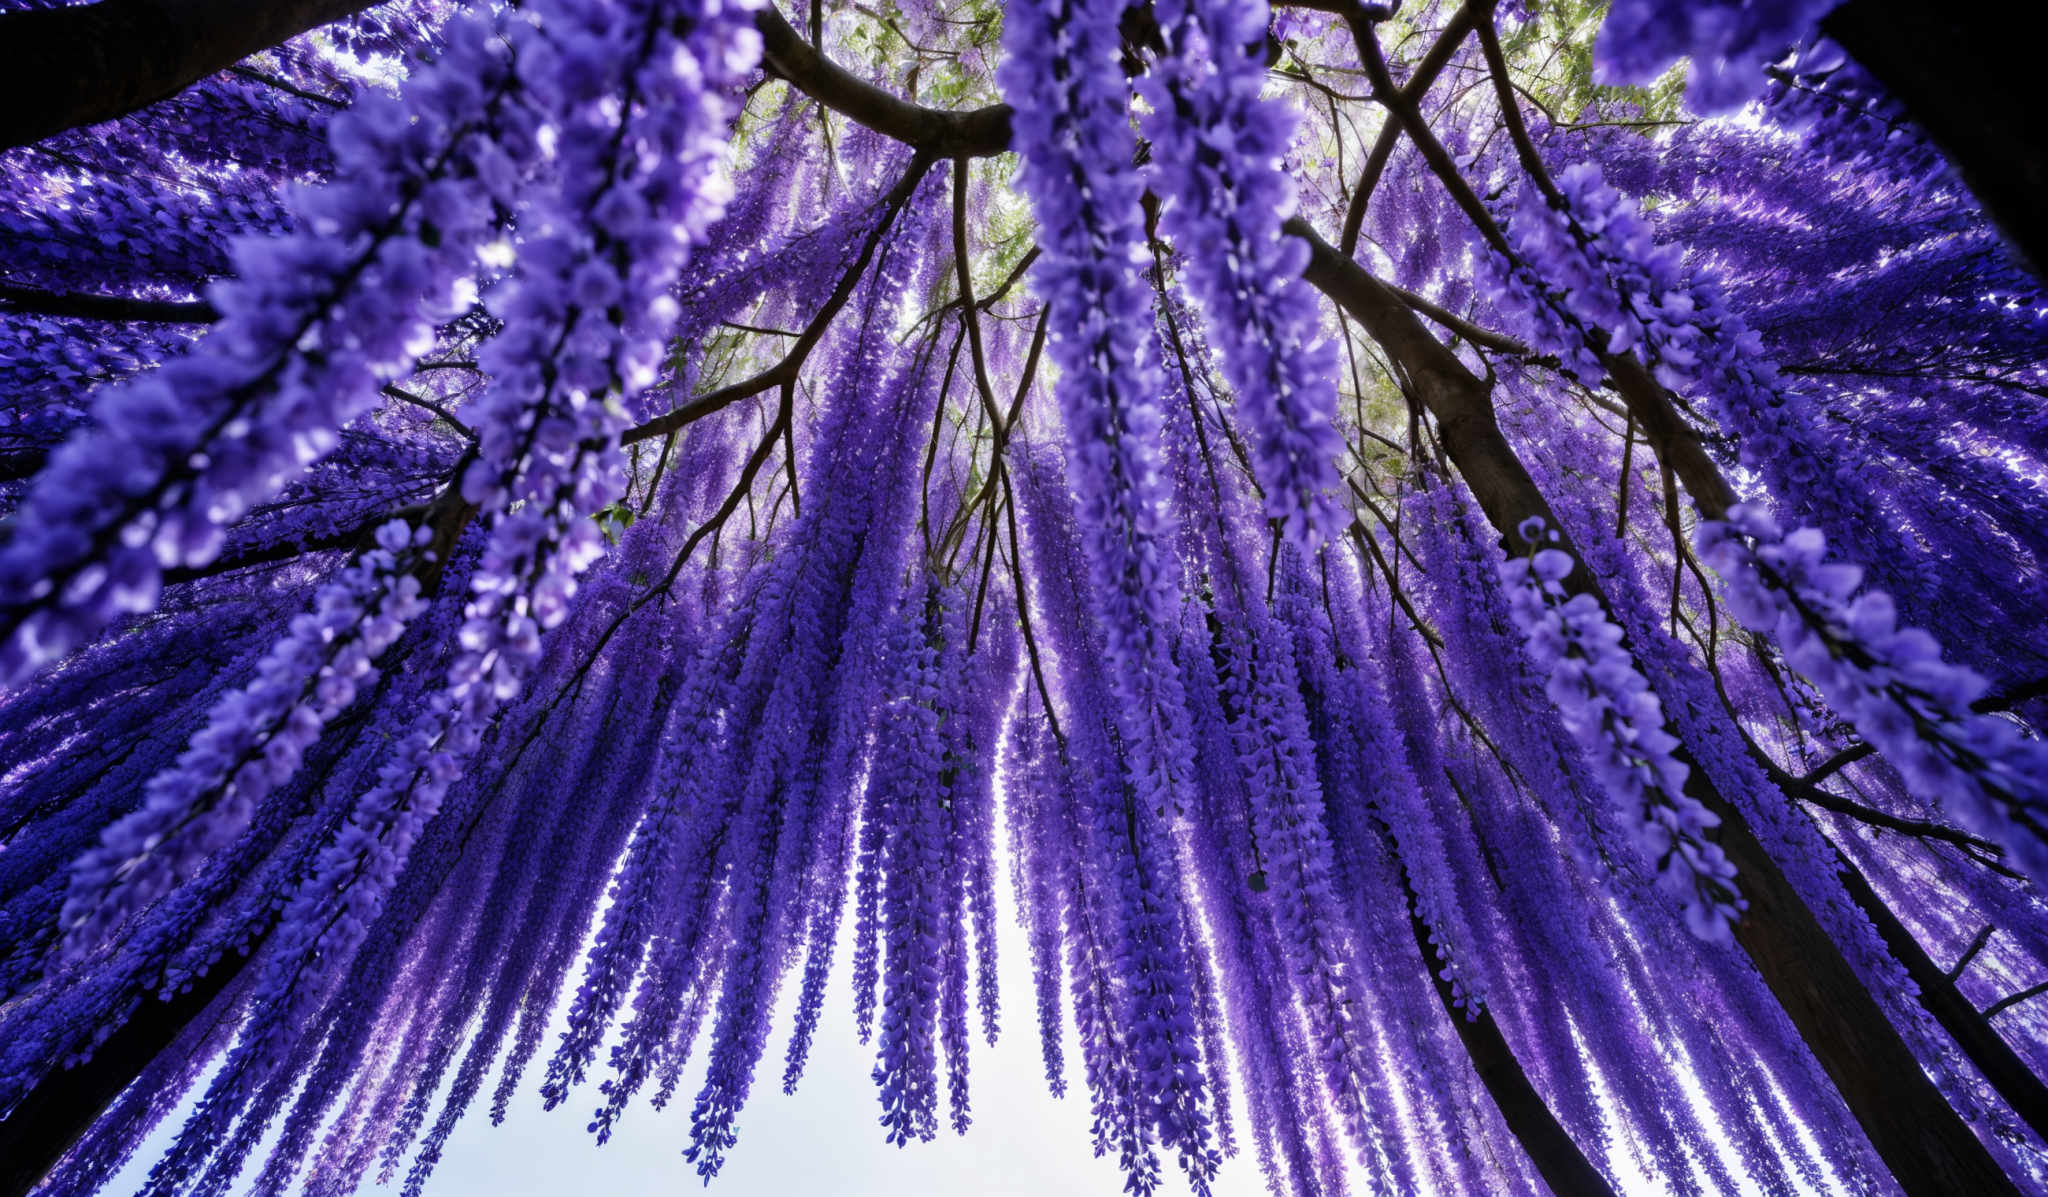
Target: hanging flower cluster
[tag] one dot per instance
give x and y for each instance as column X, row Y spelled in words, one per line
column 1728, row 43
column 1218, row 151
column 315, row 321
column 1619, row 724
column 1592, row 280
column 1890, row 681
column 1078, row 151
column 254, row 741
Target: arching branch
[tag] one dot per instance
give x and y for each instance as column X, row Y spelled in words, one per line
column 32, row 302
column 61, row 68
column 784, row 372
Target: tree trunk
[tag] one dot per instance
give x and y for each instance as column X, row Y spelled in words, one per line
column 1930, row 1150
column 54, row 1114
column 1558, row 1159
column 1973, row 1033
column 1967, row 74
column 61, row 68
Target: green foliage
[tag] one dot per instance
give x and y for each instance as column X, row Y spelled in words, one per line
column 613, row 520
column 1551, row 58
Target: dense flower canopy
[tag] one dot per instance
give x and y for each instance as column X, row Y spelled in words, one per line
column 1471, row 574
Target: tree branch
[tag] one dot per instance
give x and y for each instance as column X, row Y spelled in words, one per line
column 2010, row 1000
column 33, row 302
column 978, row 133
column 1983, row 937
column 784, row 372
column 61, row 68
column 1419, row 83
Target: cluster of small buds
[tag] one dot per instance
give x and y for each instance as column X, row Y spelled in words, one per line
column 906, row 787
column 253, row 740
column 1217, row 152
column 316, row 320
column 1889, row 682
column 1611, row 711
column 1590, row 276
column 1848, row 115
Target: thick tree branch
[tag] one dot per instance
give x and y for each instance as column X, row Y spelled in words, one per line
column 2013, row 1079
column 1928, row 1147
column 32, row 302
column 974, row 134
column 1418, row 85
column 1563, row 1165
column 61, row 68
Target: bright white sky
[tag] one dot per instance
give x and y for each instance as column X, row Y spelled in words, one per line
column 825, row 1140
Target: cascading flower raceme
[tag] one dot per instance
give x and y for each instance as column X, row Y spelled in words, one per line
column 910, row 802
column 317, row 319
column 255, row 739
column 1592, row 280
column 636, row 185
column 1890, row 681
column 1217, row 163
column 1619, row 724
column 1078, row 173
column 636, row 89
column 1611, row 290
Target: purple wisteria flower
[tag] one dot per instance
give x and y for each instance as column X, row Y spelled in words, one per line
column 1889, row 681
column 1619, row 724
column 1217, row 164
column 254, row 739
column 1728, row 42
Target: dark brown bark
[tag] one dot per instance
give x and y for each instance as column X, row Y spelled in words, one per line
column 1930, row 1150
column 942, row 134
column 61, row 68
column 68, row 67
column 53, row 1115
column 1558, row 1159
column 1972, row 1031
column 32, row 302
column 1679, row 448
column 1968, row 76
